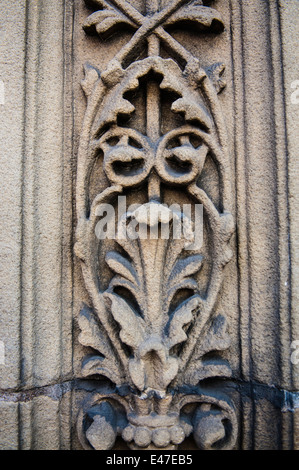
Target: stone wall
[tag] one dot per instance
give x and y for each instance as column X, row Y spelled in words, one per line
column 206, row 97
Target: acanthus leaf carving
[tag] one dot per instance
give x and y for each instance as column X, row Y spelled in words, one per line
column 152, row 327
column 106, row 362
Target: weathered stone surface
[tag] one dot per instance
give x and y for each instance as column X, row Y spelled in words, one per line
column 37, row 420
column 290, row 61
column 196, row 103
column 12, row 53
column 154, row 157
column 9, row 430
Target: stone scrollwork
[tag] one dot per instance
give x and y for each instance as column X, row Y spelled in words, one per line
column 150, row 328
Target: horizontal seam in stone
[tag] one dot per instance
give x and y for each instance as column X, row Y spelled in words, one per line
column 286, row 400
column 54, row 391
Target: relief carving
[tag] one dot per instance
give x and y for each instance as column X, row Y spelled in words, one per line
column 150, row 325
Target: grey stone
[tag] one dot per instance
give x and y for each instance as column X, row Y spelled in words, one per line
column 164, row 103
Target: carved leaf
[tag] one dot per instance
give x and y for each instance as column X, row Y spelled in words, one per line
column 193, row 111
column 121, row 266
column 207, row 370
column 137, row 372
column 182, row 316
column 178, row 278
column 202, row 17
column 216, row 340
column 97, row 365
column 185, row 267
column 105, row 22
column 132, row 326
column 137, row 293
column 169, row 372
column 93, row 336
column 188, row 283
column 110, row 114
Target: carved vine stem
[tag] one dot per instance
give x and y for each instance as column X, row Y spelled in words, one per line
column 151, row 327
column 153, row 104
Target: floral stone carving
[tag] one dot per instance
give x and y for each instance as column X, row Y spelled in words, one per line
column 150, row 325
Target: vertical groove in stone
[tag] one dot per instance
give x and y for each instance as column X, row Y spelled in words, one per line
column 296, row 430
column 282, row 198
column 28, row 245
column 240, row 150
column 12, row 46
column 288, row 11
column 67, row 191
column 49, row 204
column 289, row 30
column 9, row 435
column 241, row 213
column 44, row 294
column 66, row 323
column 247, row 70
column 25, row 426
column 46, row 322
column 287, row 431
column 261, row 197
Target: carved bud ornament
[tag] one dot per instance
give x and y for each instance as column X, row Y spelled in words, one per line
column 150, row 326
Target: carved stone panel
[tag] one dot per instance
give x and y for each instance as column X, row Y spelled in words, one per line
column 149, row 235
column 155, row 131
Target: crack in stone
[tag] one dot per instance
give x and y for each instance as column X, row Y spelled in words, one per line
column 287, row 401
column 54, row 391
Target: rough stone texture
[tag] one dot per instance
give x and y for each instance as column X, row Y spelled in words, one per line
column 159, row 295
column 43, row 391
column 9, row 426
column 45, row 326
column 290, row 56
column 12, row 47
column 36, row 199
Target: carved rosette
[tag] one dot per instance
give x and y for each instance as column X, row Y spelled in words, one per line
column 151, row 327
